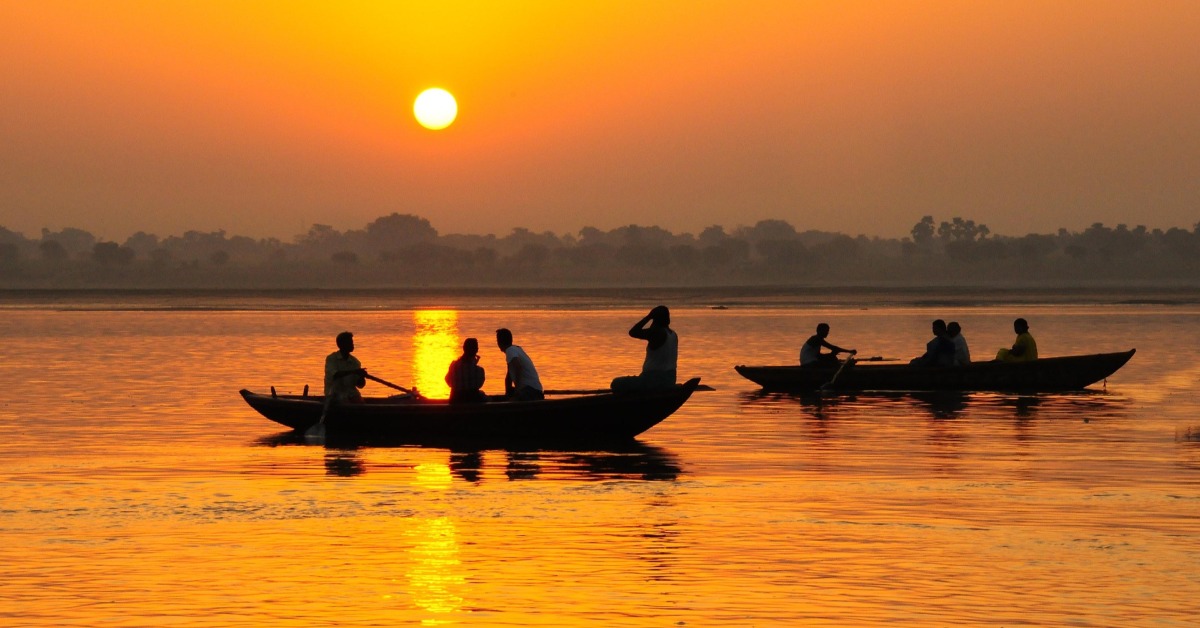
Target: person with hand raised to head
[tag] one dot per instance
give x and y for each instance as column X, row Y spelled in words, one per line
column 660, row 367
column 465, row 377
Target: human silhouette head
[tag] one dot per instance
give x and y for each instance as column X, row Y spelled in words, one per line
column 953, row 328
column 470, row 347
column 661, row 316
column 345, row 342
column 939, row 327
column 823, row 329
column 503, row 338
column 1020, row 326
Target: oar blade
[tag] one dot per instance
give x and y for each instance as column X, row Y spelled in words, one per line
column 315, row 432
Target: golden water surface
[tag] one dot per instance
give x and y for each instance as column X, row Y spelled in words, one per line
column 139, row 490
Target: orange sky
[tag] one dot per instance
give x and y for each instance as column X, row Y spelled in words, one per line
column 262, row 118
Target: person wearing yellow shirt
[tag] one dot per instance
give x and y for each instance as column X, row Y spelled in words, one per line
column 1025, row 347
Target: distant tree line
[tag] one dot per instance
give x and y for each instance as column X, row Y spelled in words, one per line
column 401, row 250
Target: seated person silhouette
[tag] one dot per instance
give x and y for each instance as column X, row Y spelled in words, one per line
column 939, row 351
column 521, row 381
column 344, row 374
column 962, row 353
column 465, row 377
column 810, row 351
column 1024, row 349
column 662, row 353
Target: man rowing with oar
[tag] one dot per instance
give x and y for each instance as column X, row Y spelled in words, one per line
column 810, row 352
column 344, row 374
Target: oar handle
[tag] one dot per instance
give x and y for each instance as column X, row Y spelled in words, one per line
column 388, row 384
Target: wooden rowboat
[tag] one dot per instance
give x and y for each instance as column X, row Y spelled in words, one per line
column 1043, row 375
column 590, row 418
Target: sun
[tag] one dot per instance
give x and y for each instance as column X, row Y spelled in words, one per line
column 435, row 108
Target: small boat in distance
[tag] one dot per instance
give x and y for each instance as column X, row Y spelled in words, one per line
column 1063, row 373
column 587, row 418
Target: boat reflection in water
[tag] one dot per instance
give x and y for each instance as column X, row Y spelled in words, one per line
column 475, row 464
column 939, row 405
column 343, row 463
column 1086, row 405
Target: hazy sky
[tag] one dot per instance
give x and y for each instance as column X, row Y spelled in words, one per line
column 262, row 118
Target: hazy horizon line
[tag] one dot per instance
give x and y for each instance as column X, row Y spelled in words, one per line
column 740, row 226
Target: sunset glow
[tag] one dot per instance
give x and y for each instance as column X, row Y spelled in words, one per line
column 264, row 118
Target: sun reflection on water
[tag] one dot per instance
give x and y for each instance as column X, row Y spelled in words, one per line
column 435, row 346
column 434, row 476
column 435, row 572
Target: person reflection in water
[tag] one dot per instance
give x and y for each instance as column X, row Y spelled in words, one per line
column 962, row 353
column 521, row 382
column 810, row 351
column 465, row 377
column 939, row 351
column 344, row 375
column 1024, row 349
column 662, row 353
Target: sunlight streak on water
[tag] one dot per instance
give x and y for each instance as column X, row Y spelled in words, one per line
column 435, row 345
column 435, row 570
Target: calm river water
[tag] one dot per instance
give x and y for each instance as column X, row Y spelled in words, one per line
column 139, row 490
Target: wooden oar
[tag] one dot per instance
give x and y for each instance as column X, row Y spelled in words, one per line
column 389, row 384
column 847, row 362
column 317, row 431
column 602, row 391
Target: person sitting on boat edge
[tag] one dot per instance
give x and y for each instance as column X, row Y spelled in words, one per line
column 962, row 354
column 810, row 351
column 465, row 377
column 521, row 381
column 344, row 374
column 662, row 353
column 939, row 351
column 1024, row 349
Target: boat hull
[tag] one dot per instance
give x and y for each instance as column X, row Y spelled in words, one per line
column 1042, row 375
column 600, row 417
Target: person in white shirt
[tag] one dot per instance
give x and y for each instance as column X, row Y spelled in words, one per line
column 521, row 382
column 962, row 355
